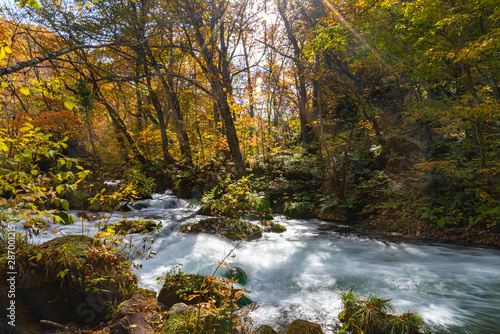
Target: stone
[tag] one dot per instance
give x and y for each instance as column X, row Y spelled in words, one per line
column 139, row 302
column 178, row 308
column 234, row 229
column 265, row 329
column 136, row 315
column 304, row 327
column 333, row 214
column 134, row 226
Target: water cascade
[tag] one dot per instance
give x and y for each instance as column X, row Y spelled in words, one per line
column 300, row 273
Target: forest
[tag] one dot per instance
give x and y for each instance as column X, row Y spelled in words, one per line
column 381, row 115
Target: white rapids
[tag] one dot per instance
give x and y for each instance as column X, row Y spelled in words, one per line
column 301, row 272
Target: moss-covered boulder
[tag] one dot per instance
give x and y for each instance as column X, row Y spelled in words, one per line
column 265, row 329
column 185, row 288
column 71, row 279
column 234, row 229
column 269, row 226
column 304, row 327
column 133, row 226
column 178, row 287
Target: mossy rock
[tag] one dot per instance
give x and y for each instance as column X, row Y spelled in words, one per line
column 134, row 226
column 269, row 226
column 304, row 327
column 68, row 279
column 179, row 287
column 234, row 229
column 265, row 329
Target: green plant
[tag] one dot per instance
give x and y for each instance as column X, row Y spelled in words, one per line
column 299, row 206
column 407, row 323
column 34, row 179
column 371, row 316
column 231, row 199
column 72, row 263
column 197, row 321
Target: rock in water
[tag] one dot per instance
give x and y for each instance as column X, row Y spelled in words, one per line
column 304, row 327
column 265, row 329
column 237, row 274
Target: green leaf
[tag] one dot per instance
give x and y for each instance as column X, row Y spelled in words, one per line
column 64, row 204
column 4, row 147
column 59, row 189
column 35, row 5
column 57, row 219
column 4, row 172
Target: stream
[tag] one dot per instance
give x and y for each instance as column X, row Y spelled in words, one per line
column 301, row 272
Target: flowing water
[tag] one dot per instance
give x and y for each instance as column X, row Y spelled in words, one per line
column 301, row 272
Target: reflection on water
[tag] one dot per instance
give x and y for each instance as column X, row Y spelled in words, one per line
column 299, row 273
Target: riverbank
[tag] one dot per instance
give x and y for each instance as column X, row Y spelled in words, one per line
column 418, row 230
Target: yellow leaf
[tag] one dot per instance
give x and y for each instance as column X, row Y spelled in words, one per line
column 25, row 91
column 69, row 104
column 5, row 85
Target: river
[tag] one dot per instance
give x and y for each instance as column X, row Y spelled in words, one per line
column 301, row 272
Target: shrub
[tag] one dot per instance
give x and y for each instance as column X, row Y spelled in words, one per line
column 219, row 306
column 230, row 199
column 370, row 316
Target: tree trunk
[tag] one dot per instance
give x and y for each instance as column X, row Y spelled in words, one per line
column 305, row 126
column 122, row 127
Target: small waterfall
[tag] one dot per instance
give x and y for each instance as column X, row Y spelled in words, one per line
column 159, row 201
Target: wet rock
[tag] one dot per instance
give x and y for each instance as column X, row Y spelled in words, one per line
column 269, row 226
column 134, row 226
column 237, row 274
column 175, row 290
column 333, row 214
column 234, row 229
column 179, row 287
column 304, row 327
column 265, row 329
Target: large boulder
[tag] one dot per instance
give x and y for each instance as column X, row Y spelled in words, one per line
column 234, row 229
column 136, row 315
column 334, row 213
column 265, row 329
column 304, row 327
column 180, row 288
column 133, row 226
column 71, row 280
